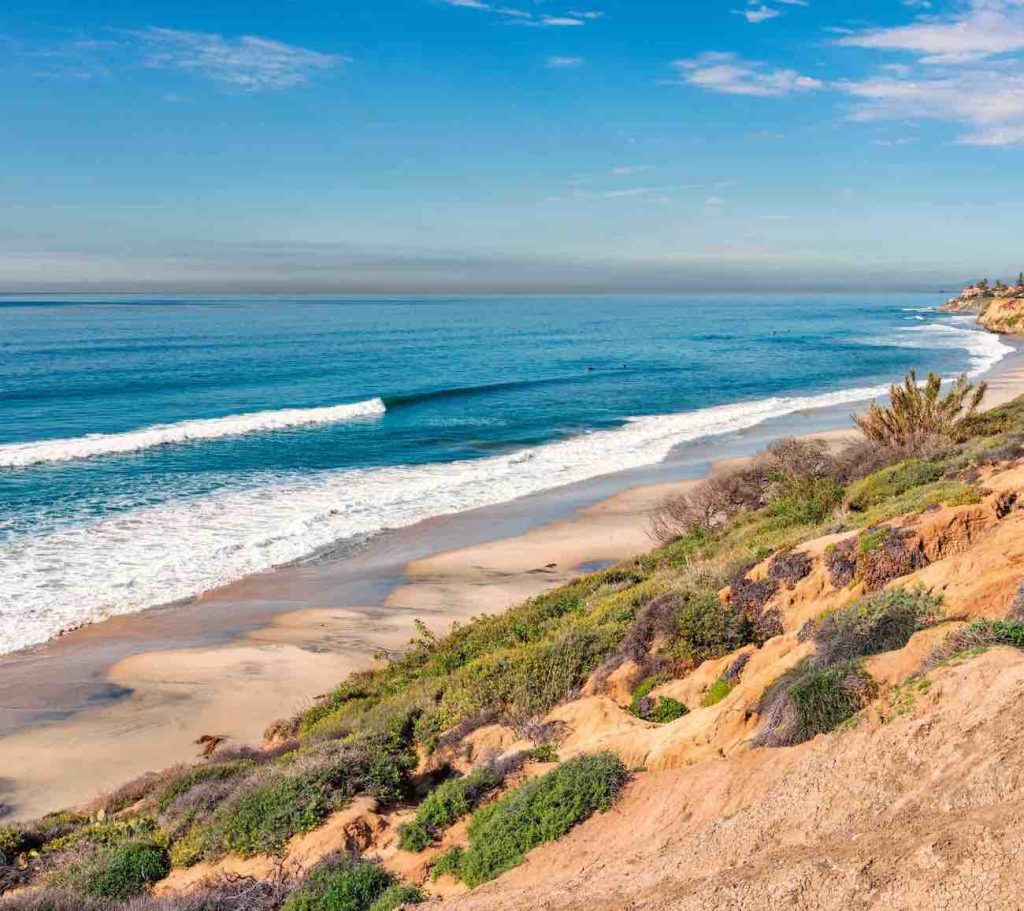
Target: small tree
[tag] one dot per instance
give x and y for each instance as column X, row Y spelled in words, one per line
column 919, row 417
column 1020, row 279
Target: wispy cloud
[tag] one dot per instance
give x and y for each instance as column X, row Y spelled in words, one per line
column 969, row 70
column 517, row 16
column 757, row 11
column 247, row 62
column 986, row 28
column 563, row 63
column 732, row 75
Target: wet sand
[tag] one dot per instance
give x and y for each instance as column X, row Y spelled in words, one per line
column 89, row 711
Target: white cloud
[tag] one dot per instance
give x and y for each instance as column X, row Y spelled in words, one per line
column 758, row 13
column 247, row 62
column 986, row 28
column 969, row 71
column 623, row 170
column 518, row 16
column 988, row 100
column 730, row 74
column 563, row 63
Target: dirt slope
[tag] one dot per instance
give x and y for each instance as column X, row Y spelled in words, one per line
column 923, row 812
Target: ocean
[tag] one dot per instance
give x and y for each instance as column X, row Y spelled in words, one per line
column 154, row 449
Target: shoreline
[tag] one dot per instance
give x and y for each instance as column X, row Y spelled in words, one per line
column 133, row 693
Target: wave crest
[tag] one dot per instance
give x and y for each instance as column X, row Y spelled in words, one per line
column 18, row 455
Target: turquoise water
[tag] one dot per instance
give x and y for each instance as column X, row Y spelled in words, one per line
column 154, row 449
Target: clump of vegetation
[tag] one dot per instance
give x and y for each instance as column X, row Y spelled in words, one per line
column 397, row 895
column 117, row 872
column 878, row 623
column 501, row 834
column 659, row 709
column 716, row 692
column 276, row 802
column 974, row 638
column 341, row 883
column 832, row 686
column 885, row 554
column 448, row 802
column 544, row 752
column 789, row 567
column 796, row 481
column 892, row 482
column 919, row 418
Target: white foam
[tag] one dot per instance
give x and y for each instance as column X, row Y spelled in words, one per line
column 13, row 455
column 159, row 554
column 984, row 349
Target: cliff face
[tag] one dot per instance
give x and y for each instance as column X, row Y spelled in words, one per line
column 997, row 314
column 1003, row 314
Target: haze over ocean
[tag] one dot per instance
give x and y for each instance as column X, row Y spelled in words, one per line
column 153, row 449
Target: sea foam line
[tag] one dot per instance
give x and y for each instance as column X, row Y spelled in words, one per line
column 158, row 554
column 16, row 455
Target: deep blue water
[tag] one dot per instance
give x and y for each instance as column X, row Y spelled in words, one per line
column 467, row 402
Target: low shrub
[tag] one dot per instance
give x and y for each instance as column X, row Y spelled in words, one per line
column 118, row 872
column 397, row 895
column 841, row 562
column 341, row 883
column 448, row 864
column 276, row 802
column 716, row 692
column 666, row 709
column 892, row 482
column 975, row 637
column 888, row 553
column 501, row 834
column 707, row 628
column 880, row 622
column 789, row 567
column 545, row 752
column 659, row 709
column 806, row 702
column 448, row 802
column 189, row 778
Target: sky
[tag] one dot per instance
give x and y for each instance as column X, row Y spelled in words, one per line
column 448, row 146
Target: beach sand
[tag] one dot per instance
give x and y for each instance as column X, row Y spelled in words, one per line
column 164, row 697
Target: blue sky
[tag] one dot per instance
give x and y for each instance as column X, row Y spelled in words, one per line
column 435, row 145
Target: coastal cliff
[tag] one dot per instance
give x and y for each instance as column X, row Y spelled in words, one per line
column 806, row 696
column 999, row 310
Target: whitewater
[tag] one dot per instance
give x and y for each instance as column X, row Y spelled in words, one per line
column 14, row 455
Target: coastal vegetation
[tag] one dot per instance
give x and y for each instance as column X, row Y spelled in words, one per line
column 708, row 592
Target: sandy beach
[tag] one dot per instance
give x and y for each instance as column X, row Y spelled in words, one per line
column 149, row 685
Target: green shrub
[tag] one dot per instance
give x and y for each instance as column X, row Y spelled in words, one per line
column 119, row 872
column 299, row 793
column 973, row 638
column 661, row 709
column 541, row 810
column 448, row 864
column 716, row 692
column 892, row 482
column 15, row 841
column 707, row 628
column 825, row 699
column 880, row 622
column 193, row 776
column 544, row 752
column 667, row 709
column 397, row 895
column 341, row 884
column 448, row 802
column 804, row 501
